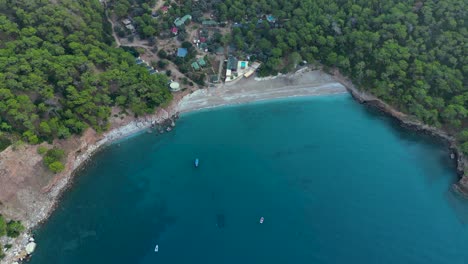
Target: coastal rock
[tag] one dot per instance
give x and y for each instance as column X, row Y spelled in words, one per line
column 30, row 247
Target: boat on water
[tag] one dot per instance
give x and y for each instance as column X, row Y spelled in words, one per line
column 261, row 220
column 156, row 249
column 196, row 162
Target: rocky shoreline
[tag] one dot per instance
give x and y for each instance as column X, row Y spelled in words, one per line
column 409, row 123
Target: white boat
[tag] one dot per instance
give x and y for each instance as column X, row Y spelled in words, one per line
column 156, row 249
column 261, row 220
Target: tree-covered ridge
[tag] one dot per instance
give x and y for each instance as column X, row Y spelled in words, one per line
column 59, row 74
column 412, row 54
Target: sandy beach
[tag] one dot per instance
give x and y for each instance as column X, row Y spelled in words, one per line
column 303, row 83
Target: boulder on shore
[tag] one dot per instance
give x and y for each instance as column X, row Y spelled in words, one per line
column 30, row 247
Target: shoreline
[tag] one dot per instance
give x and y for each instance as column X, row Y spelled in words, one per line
column 302, row 83
column 305, row 82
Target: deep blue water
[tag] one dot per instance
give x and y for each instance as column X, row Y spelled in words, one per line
column 335, row 182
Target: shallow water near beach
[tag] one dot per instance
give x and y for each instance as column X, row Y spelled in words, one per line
column 334, row 181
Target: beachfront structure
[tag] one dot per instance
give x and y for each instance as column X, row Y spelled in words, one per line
column 242, row 65
column 243, row 69
column 180, row 21
column 249, row 73
column 182, row 52
column 255, row 65
column 231, row 63
column 174, row 86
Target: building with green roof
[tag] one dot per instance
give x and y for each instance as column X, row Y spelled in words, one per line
column 201, row 62
column 180, row 21
column 195, row 66
column 209, row 23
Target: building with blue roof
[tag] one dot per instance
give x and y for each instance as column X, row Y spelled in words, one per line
column 182, row 52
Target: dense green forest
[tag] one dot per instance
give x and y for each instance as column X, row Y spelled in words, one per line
column 412, row 54
column 60, row 75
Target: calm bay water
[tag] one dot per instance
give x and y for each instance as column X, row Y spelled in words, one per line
column 335, row 183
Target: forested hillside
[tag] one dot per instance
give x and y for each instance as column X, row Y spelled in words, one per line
column 59, row 74
column 412, row 54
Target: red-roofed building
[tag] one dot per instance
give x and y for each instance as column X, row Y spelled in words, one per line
column 174, row 30
column 202, row 39
column 164, row 9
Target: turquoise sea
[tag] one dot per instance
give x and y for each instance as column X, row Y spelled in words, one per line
column 334, row 181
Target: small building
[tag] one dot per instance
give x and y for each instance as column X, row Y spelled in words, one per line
column 214, row 78
column 202, row 39
column 164, row 9
column 271, row 18
column 139, row 61
column 174, row 86
column 209, row 23
column 255, row 65
column 126, row 21
column 237, row 25
column 195, row 66
column 174, row 30
column 182, row 52
column 180, row 21
column 219, row 50
column 203, row 46
column 232, row 63
column 249, row 73
column 201, row 62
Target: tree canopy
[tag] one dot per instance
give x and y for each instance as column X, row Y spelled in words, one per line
column 60, row 74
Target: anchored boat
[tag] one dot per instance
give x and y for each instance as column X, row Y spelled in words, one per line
column 196, row 162
column 156, row 249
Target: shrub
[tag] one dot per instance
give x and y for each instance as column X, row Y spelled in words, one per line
column 52, row 155
column 41, row 150
column 2, row 255
column 53, row 159
column 162, row 54
column 3, row 226
column 4, row 143
column 162, row 64
column 14, row 228
column 56, row 167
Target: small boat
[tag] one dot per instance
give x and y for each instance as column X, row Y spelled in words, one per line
column 196, row 162
column 261, row 220
column 156, row 249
